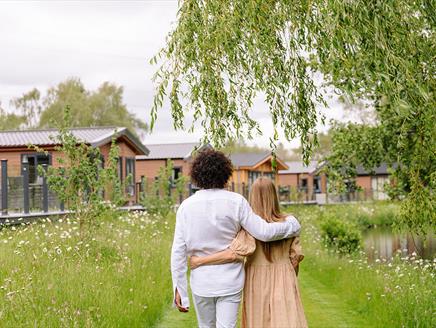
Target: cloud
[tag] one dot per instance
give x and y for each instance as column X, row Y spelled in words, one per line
column 43, row 43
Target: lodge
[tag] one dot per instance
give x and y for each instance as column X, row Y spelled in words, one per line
column 296, row 182
column 14, row 148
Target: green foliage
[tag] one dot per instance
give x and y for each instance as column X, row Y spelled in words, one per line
column 320, row 151
column 355, row 144
column 104, row 106
column 109, row 175
column 158, row 199
column 30, row 106
column 10, row 121
column 361, row 215
column 80, row 178
column 222, row 54
column 378, row 215
column 400, row 293
column 351, row 145
column 51, row 277
column 340, row 235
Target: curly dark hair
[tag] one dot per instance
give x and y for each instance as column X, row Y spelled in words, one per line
column 211, row 169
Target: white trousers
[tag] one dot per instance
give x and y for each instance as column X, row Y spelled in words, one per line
column 217, row 312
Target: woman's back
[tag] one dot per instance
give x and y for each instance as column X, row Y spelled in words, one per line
column 271, row 295
column 279, row 254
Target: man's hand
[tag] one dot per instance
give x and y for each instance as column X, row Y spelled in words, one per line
column 178, row 302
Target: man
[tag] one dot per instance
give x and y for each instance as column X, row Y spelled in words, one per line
column 206, row 223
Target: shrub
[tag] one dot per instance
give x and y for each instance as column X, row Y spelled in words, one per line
column 340, row 236
column 80, row 179
column 159, row 200
column 379, row 214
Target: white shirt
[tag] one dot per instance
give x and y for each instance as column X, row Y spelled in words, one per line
column 206, row 223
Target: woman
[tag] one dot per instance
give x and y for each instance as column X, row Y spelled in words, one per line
column 271, row 295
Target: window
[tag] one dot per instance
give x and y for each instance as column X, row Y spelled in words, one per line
column 317, row 184
column 252, row 176
column 34, row 160
column 378, row 185
column 177, row 173
column 130, row 170
column 303, row 184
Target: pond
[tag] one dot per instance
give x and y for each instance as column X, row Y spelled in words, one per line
column 383, row 243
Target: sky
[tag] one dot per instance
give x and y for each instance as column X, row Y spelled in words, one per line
column 45, row 42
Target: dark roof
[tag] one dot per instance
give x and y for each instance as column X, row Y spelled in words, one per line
column 379, row 170
column 171, row 151
column 248, row 159
column 95, row 136
column 296, row 167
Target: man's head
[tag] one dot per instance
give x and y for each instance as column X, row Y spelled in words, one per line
column 211, row 169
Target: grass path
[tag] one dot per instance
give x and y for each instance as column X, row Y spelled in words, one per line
column 323, row 307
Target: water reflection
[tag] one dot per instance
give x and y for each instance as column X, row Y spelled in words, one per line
column 384, row 244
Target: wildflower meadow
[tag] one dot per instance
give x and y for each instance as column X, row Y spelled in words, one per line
column 117, row 275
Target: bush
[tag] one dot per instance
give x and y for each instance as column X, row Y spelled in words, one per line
column 340, row 236
column 81, row 179
column 379, row 214
column 159, row 200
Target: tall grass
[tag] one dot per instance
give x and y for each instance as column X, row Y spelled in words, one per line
column 119, row 277
column 50, row 276
column 365, row 215
column 400, row 293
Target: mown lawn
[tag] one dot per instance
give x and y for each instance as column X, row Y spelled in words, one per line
column 117, row 275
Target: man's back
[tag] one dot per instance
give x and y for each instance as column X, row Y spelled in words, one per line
column 211, row 219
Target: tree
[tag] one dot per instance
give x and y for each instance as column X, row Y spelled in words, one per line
column 29, row 106
column 10, row 121
column 80, row 178
column 104, row 106
column 223, row 53
column 320, row 151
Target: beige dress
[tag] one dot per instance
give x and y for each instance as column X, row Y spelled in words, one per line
column 271, row 296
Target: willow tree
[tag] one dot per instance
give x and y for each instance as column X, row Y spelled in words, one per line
column 222, row 54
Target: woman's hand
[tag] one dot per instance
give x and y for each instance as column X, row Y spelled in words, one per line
column 194, row 262
column 222, row 257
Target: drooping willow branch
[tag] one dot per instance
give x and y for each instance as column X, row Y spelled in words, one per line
column 223, row 54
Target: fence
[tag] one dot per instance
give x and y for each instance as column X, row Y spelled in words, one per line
column 287, row 194
column 151, row 187
column 28, row 193
column 294, row 195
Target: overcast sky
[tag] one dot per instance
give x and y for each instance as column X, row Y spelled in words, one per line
column 44, row 42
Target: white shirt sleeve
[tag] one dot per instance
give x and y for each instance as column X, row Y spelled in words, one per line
column 179, row 265
column 264, row 231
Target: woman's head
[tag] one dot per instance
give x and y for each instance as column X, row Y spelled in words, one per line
column 264, row 200
column 265, row 203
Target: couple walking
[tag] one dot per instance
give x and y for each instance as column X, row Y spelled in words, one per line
column 215, row 229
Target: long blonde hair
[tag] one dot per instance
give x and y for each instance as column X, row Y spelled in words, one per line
column 265, row 203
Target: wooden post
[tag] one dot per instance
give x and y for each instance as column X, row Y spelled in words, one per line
column 4, row 185
column 44, row 190
column 25, row 173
